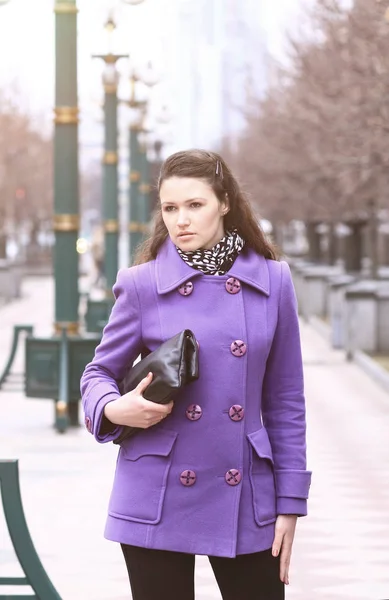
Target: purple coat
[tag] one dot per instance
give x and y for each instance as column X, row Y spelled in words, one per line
column 212, row 477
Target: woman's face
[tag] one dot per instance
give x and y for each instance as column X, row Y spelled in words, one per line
column 192, row 213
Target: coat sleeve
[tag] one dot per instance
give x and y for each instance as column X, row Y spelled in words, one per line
column 120, row 345
column 283, row 405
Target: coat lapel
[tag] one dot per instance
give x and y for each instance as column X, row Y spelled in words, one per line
column 252, row 269
column 172, row 271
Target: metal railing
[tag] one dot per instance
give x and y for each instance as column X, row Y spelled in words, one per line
column 35, row 575
column 7, row 375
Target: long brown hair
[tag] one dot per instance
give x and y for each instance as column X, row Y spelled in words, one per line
column 210, row 167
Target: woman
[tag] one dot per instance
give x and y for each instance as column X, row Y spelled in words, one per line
column 222, row 472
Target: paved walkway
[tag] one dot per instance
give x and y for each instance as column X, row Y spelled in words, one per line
column 341, row 550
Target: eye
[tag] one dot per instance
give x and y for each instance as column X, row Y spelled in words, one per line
column 196, row 205
column 168, row 208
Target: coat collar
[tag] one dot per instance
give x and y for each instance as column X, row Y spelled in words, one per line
column 172, row 271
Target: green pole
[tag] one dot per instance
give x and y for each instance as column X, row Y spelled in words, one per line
column 66, row 187
column 144, row 191
column 135, row 178
column 110, row 169
column 110, row 185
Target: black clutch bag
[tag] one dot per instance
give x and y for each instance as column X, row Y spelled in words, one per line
column 173, row 365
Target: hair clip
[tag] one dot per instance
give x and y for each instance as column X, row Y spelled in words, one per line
column 219, row 170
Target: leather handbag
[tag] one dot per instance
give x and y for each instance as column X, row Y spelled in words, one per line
column 173, row 365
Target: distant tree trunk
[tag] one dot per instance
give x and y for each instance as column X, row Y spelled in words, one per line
column 3, row 235
column 354, row 246
column 3, row 246
column 385, row 249
column 314, row 245
column 373, row 239
column 333, row 249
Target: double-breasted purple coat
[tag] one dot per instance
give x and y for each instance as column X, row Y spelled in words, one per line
column 212, row 476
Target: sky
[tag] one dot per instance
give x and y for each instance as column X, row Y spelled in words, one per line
column 27, row 45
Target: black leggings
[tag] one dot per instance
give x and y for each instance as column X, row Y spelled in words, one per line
column 163, row 575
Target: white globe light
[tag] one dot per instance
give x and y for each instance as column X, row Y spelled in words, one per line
column 149, row 76
column 133, row 2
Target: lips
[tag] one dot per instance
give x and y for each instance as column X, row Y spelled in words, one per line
column 185, row 235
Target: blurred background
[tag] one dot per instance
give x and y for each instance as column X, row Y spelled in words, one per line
column 289, row 92
column 211, row 64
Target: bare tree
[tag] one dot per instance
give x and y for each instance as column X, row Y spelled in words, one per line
column 316, row 147
column 26, row 187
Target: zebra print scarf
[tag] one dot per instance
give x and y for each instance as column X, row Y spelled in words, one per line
column 219, row 259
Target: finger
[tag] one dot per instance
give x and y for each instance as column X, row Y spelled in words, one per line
column 277, row 542
column 142, row 385
column 154, row 420
column 157, row 409
column 286, row 552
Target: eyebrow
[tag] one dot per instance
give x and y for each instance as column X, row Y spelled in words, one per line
column 185, row 202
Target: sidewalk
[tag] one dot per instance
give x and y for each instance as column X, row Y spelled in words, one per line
column 341, row 550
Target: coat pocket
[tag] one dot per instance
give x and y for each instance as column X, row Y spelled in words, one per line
column 262, row 477
column 141, row 476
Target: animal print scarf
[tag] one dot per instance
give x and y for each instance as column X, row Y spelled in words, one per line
column 219, row 259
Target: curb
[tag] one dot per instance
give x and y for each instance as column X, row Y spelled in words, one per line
column 360, row 358
column 374, row 370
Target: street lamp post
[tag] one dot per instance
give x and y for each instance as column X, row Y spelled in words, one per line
column 133, row 202
column 144, row 185
column 110, row 162
column 134, row 209
column 66, row 186
column 139, row 189
column 98, row 310
column 54, row 365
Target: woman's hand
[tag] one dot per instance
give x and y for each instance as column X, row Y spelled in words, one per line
column 135, row 411
column 283, row 541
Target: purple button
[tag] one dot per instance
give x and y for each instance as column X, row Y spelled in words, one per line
column 186, row 288
column 188, row 478
column 194, row 412
column 88, row 424
column 233, row 477
column 236, row 412
column 233, row 285
column 238, row 348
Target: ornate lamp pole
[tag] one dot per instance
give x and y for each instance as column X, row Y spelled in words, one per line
column 98, row 310
column 54, row 364
column 139, row 190
column 110, row 162
column 66, row 188
column 135, row 233
column 144, row 185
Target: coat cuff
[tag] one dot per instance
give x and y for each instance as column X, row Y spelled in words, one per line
column 292, row 506
column 102, row 433
column 94, row 405
column 291, row 483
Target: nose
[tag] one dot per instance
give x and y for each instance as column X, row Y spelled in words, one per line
column 183, row 219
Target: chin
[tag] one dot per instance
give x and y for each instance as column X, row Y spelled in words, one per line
column 188, row 246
